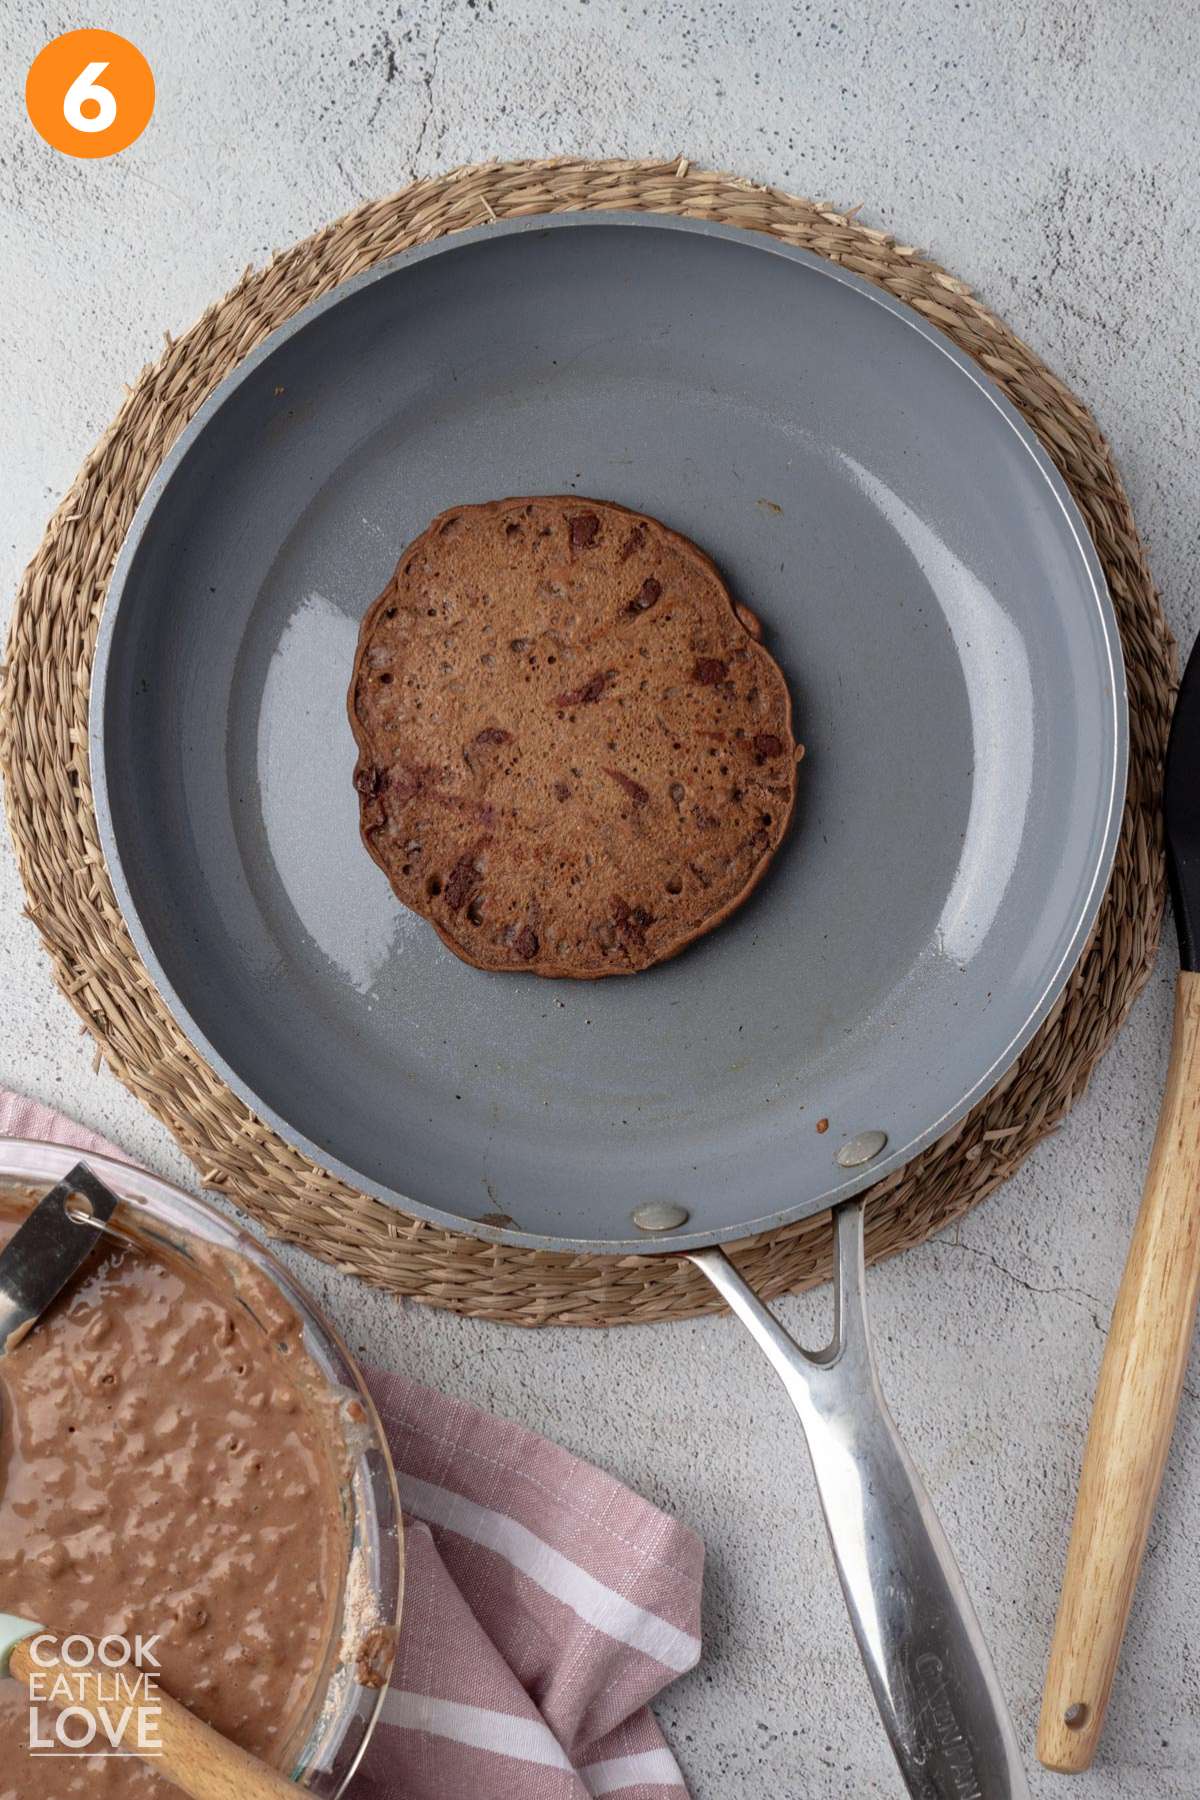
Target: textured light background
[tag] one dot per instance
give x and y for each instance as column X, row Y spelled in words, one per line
column 1048, row 154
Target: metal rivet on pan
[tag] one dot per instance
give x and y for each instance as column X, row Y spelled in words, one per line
column 660, row 1215
column 861, row 1149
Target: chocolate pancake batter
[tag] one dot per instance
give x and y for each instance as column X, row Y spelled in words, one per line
column 168, row 1465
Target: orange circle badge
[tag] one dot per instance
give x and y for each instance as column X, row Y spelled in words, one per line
column 89, row 93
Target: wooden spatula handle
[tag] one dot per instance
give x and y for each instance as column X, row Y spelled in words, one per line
column 194, row 1757
column 1145, row 1360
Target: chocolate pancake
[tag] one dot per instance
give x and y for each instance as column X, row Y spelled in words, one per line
column 574, row 755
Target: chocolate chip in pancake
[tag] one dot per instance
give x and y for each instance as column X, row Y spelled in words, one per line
column 575, row 757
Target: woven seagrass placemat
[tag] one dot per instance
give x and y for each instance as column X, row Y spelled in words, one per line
column 43, row 747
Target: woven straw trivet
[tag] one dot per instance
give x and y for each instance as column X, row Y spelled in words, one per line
column 43, row 745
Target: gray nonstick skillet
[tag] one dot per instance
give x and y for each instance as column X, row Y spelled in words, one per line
column 930, row 591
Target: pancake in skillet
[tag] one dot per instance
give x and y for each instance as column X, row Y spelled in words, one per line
column 574, row 755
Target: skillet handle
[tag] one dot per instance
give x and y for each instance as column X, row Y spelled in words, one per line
column 929, row 1668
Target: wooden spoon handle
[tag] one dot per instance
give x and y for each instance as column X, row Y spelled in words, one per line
column 1141, row 1375
column 193, row 1756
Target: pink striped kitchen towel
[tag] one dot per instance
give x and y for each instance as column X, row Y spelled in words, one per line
column 545, row 1605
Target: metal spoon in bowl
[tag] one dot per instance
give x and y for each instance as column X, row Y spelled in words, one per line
column 49, row 1246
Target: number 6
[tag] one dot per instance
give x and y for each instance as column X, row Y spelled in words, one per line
column 85, row 87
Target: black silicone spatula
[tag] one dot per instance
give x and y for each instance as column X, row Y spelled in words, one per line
column 47, row 1248
column 1146, row 1353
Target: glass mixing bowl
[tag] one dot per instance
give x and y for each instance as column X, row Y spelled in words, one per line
column 345, row 1710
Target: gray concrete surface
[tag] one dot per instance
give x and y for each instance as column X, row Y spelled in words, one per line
column 1046, row 152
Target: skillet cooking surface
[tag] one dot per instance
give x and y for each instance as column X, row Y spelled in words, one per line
column 923, row 578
